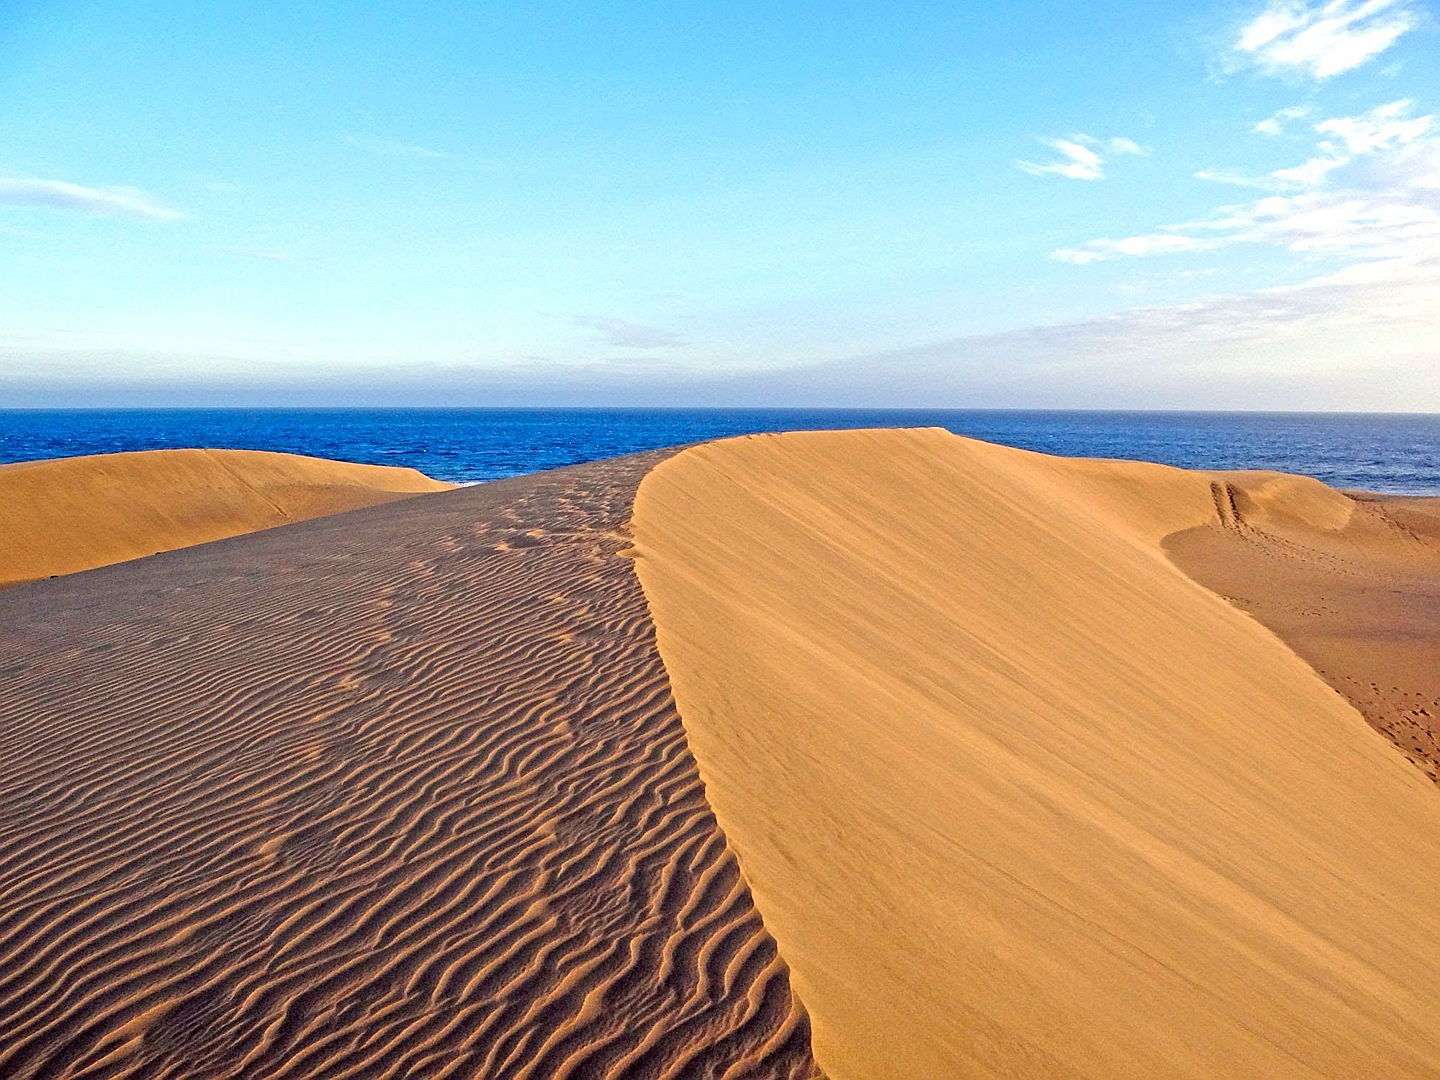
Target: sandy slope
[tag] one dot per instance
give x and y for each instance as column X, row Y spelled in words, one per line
column 1016, row 796
column 1357, row 595
column 400, row 792
column 69, row 514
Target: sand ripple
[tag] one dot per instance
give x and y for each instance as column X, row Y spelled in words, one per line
column 396, row 793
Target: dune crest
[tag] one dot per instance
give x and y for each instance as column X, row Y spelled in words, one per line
column 1015, row 795
column 70, row 514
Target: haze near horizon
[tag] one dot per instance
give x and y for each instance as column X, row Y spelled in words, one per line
column 1226, row 206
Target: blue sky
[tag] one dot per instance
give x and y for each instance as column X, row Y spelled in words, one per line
column 1050, row 204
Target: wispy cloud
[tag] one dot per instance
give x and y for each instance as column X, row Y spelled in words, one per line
column 1275, row 123
column 1346, row 223
column 392, row 147
column 1082, row 157
column 1310, row 173
column 63, row 195
column 1344, row 139
column 1321, row 40
column 1383, row 128
column 1390, row 161
column 628, row 335
column 1170, row 239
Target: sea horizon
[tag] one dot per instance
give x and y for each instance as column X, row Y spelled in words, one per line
column 1391, row 453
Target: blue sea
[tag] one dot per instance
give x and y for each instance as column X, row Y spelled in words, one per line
column 1390, row 453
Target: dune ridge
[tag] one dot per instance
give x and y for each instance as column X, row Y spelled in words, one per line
column 400, row 792
column 69, row 514
column 1018, row 797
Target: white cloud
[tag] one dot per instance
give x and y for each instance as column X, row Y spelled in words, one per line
column 63, row 195
column 1156, row 243
column 1323, row 39
column 1078, row 162
column 1308, row 174
column 1386, row 207
column 1275, row 123
column 628, row 335
column 1365, row 226
column 1383, row 128
column 1122, row 145
column 1414, row 169
column 1236, row 179
column 1081, row 156
column 392, row 147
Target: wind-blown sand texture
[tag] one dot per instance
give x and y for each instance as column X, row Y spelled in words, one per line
column 1018, row 798
column 70, row 514
column 400, row 792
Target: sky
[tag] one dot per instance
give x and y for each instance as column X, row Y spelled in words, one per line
column 1117, row 204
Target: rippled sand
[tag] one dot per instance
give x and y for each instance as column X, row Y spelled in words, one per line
column 400, row 792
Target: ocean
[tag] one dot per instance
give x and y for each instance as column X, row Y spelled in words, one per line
column 1379, row 452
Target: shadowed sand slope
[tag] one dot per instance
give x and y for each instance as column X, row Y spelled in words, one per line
column 398, row 793
column 1357, row 594
column 1018, row 798
column 70, row 514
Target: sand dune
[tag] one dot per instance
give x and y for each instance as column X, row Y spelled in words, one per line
column 1015, row 795
column 991, row 776
column 70, row 514
column 400, row 792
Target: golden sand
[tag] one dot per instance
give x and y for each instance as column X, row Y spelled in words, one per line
column 70, row 514
column 1015, row 795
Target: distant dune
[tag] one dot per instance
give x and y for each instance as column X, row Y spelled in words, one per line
column 864, row 754
column 70, row 514
column 1357, row 596
column 1016, row 796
